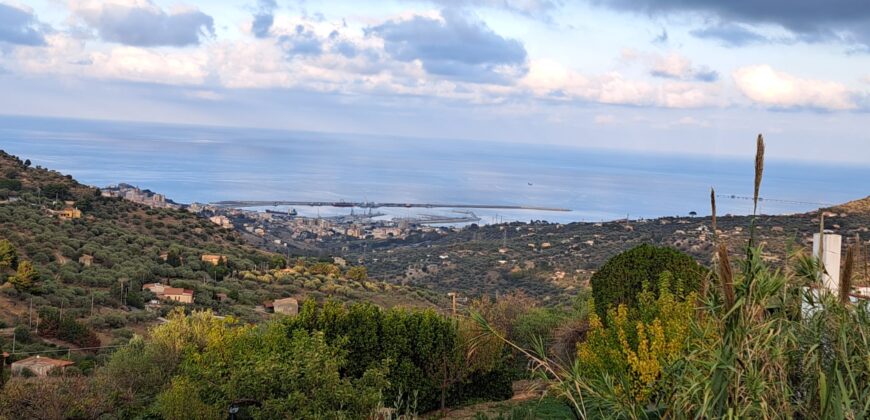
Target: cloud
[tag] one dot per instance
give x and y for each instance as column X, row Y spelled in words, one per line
column 301, row 41
column 264, row 18
column 535, row 9
column 661, row 38
column 772, row 88
column 144, row 65
column 730, row 35
column 675, row 66
column 141, row 23
column 811, row 20
column 20, row 27
column 454, row 46
column 549, row 79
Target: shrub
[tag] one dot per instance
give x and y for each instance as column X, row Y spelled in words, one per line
column 621, row 278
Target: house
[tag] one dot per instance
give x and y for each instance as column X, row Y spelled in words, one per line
column 222, row 297
column 287, row 306
column 213, row 259
column 177, row 294
column 155, row 288
column 164, row 292
column 70, row 213
column 221, row 221
column 86, row 260
column 39, row 365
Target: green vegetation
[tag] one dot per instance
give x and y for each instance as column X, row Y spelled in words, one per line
column 754, row 342
column 328, row 362
column 620, row 280
column 423, row 353
column 657, row 336
column 92, row 269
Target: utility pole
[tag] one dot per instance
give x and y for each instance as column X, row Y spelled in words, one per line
column 453, row 296
column 30, row 315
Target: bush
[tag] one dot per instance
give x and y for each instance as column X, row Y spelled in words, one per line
column 622, row 278
column 22, row 334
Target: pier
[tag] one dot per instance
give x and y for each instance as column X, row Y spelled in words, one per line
column 373, row 205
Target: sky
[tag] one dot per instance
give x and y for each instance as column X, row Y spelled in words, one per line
column 666, row 76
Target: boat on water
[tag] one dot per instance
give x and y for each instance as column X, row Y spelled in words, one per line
column 290, row 212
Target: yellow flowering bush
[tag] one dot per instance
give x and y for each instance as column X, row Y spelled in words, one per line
column 635, row 346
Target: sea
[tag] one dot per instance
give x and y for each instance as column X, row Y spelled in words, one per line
column 206, row 164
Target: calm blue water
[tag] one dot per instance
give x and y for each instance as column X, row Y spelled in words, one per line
column 204, row 164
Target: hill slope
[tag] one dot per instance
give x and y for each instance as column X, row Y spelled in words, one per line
column 101, row 259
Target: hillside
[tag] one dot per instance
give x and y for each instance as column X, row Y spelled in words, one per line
column 855, row 206
column 553, row 261
column 90, row 268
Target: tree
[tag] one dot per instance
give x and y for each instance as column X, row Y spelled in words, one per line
column 8, row 255
column 27, row 163
column 24, row 277
column 358, row 273
column 622, row 277
column 277, row 262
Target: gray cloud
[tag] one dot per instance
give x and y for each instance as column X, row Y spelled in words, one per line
column 20, row 27
column 730, row 35
column 264, row 17
column 810, row 20
column 702, row 74
column 455, row 47
column 661, row 38
column 148, row 26
column 301, row 42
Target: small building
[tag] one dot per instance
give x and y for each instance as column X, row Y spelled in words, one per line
column 70, row 213
column 177, row 294
column 214, row 259
column 222, row 297
column 86, row 260
column 286, row 306
column 40, row 366
column 165, row 292
column 221, row 221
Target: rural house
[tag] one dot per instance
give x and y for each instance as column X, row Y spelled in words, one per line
column 40, row 366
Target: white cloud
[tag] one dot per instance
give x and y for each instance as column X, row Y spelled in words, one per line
column 766, row 86
column 144, row 65
column 550, row 79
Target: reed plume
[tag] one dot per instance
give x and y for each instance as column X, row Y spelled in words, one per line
column 713, row 206
column 759, row 171
column 846, row 275
column 726, row 277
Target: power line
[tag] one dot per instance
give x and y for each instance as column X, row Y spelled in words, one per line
column 66, row 350
column 775, row 200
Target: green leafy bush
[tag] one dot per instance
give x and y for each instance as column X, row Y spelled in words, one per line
column 622, row 278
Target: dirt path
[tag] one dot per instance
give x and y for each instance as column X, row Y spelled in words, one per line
column 524, row 390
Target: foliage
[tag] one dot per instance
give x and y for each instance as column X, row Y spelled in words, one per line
column 626, row 359
column 619, row 280
column 8, row 255
column 357, row 273
column 52, row 324
column 294, row 375
column 424, row 353
column 25, row 276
